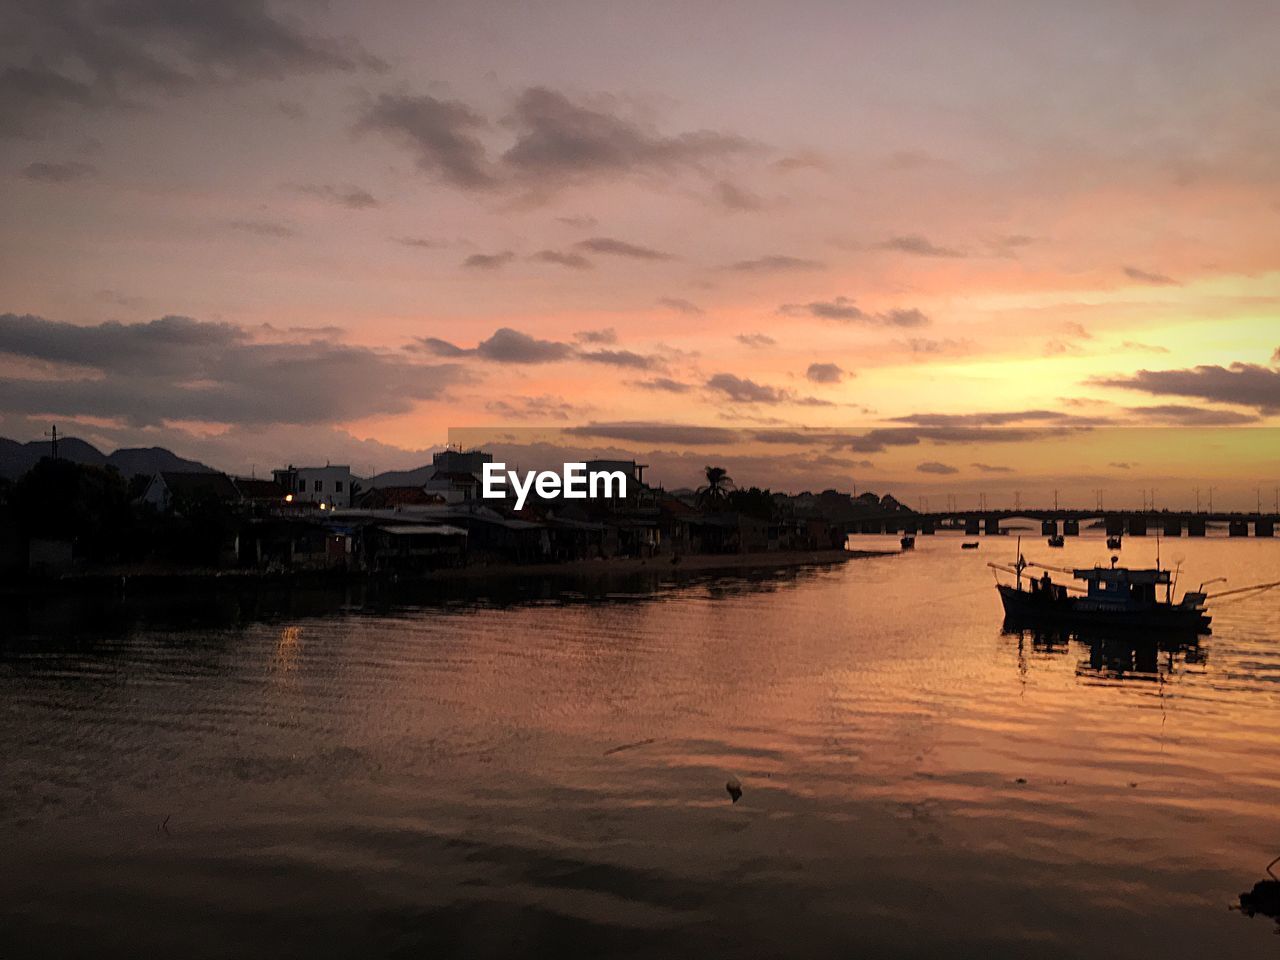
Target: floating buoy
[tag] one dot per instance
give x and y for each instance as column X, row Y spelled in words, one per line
column 734, row 786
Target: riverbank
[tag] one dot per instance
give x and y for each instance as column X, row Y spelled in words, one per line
column 153, row 579
column 700, row 563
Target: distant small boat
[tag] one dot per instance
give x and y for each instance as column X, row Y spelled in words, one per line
column 1114, row 543
column 1057, row 540
column 969, row 545
column 908, row 542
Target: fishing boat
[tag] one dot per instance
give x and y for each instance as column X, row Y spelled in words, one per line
column 908, row 542
column 1057, row 540
column 969, row 545
column 1114, row 543
column 1112, row 597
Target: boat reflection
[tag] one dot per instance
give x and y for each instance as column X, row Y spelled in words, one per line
column 1264, row 898
column 1115, row 655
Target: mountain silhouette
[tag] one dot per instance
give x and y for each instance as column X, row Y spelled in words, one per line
column 17, row 458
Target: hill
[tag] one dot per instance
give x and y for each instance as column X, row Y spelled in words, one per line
column 17, row 458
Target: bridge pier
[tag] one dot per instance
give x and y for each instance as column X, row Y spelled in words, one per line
column 1238, row 528
column 1137, row 526
column 926, row 527
column 971, row 526
column 992, row 526
column 1172, row 527
column 1071, row 528
column 1115, row 526
column 1049, row 528
column 1196, row 527
column 1264, row 527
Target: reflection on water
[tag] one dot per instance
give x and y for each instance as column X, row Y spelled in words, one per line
column 1264, row 898
column 542, row 767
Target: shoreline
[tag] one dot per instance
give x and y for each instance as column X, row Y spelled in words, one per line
column 700, row 563
column 140, row 581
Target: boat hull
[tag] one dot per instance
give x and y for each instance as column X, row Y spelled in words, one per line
column 1041, row 609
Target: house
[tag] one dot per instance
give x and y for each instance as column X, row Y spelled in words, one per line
column 454, row 486
column 461, row 461
column 260, row 492
column 388, row 498
column 329, row 486
column 168, row 488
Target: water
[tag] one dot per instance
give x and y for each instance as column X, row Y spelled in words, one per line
column 493, row 777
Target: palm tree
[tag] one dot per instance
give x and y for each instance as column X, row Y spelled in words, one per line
column 717, row 488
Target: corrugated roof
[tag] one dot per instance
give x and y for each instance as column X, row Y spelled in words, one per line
column 414, row 530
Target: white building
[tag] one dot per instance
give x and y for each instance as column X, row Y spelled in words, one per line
column 330, row 485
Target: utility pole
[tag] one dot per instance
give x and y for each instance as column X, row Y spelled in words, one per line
column 1017, row 500
column 53, row 435
column 1197, row 499
column 1055, row 499
column 1211, row 489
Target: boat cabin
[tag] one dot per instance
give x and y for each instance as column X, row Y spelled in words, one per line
column 1118, row 583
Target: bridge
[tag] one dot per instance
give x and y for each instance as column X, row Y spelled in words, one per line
column 1068, row 523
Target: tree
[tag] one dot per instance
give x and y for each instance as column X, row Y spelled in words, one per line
column 716, row 491
column 753, row 502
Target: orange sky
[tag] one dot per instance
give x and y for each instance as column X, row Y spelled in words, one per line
column 823, row 215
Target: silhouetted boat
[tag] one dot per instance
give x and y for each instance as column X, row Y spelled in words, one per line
column 1057, row 540
column 908, row 542
column 1113, row 597
column 971, row 545
column 1114, row 543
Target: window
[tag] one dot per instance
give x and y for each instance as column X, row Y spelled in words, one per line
column 337, row 486
column 319, row 486
column 302, row 486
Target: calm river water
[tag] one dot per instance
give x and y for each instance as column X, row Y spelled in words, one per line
column 545, row 772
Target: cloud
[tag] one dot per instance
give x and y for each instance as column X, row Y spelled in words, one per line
column 689, row 435
column 1184, row 415
column 620, row 248
column 533, row 408
column 1242, row 384
column 736, row 198
column 1146, row 276
column 61, row 56
column 606, row 335
column 745, row 391
column 925, row 346
column 776, row 263
column 933, row 466
column 579, row 222
column 845, row 310
column 421, row 243
column 49, row 172
column 440, row 133
column 1120, row 465
column 344, row 195
column 756, row 340
column 919, row 246
column 559, row 140
column 505, row 346
column 663, row 384
column 621, row 358
column 990, row 468
column 994, row 418
column 263, row 228
column 1144, row 347
column 488, row 261
column 679, row 305
column 178, row 369
column 824, row 373
column 575, row 261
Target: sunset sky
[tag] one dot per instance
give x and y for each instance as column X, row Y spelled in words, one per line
column 824, row 243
